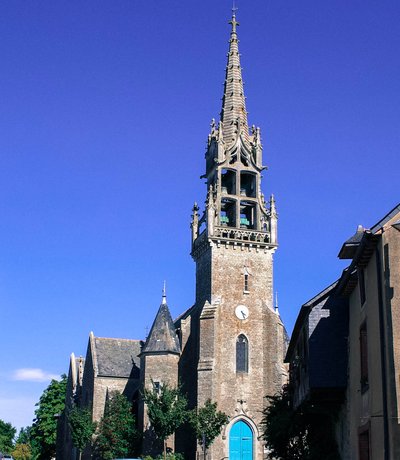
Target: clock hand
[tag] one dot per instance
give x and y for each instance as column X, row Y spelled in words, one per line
column 243, row 314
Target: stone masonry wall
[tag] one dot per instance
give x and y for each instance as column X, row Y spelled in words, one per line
column 203, row 278
column 240, row 395
column 163, row 368
column 390, row 255
column 102, row 386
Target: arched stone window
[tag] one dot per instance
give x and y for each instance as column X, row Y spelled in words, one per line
column 242, row 354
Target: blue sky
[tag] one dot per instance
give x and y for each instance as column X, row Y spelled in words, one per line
column 104, row 114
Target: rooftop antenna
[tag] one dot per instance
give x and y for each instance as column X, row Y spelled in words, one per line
column 164, row 294
column 234, row 22
column 234, row 8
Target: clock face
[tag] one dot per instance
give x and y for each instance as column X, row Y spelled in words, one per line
column 242, row 312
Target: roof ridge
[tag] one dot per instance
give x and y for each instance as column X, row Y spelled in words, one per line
column 385, row 219
column 117, row 338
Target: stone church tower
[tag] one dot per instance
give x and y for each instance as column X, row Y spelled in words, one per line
column 229, row 346
column 241, row 338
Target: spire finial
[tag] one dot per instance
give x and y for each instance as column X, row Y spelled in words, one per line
column 164, row 295
column 276, row 303
column 233, row 21
column 272, row 206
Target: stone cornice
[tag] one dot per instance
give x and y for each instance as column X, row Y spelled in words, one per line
column 238, row 238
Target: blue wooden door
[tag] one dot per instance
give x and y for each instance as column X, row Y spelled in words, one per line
column 240, row 442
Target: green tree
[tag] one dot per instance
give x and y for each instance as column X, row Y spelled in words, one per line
column 284, row 437
column 7, row 434
column 166, row 409
column 207, row 423
column 303, row 433
column 24, row 435
column 22, row 451
column 44, row 428
column 82, row 427
column 117, row 432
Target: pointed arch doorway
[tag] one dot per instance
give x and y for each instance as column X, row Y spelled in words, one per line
column 241, row 441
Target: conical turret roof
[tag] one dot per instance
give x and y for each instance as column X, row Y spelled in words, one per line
column 162, row 337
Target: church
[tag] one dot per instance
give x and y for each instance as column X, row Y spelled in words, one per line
column 230, row 345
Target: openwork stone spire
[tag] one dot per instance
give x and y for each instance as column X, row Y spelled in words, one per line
column 235, row 209
column 233, row 113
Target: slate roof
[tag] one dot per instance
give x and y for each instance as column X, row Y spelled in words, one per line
column 350, row 245
column 162, row 337
column 303, row 316
column 365, row 249
column 327, row 344
column 117, row 357
column 325, row 319
column 349, row 248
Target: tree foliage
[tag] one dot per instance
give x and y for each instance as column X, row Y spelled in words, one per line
column 207, row 423
column 302, row 433
column 174, row 456
column 285, row 439
column 24, row 435
column 44, row 428
column 82, row 427
column 117, row 432
column 22, row 451
column 7, row 434
column 166, row 410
